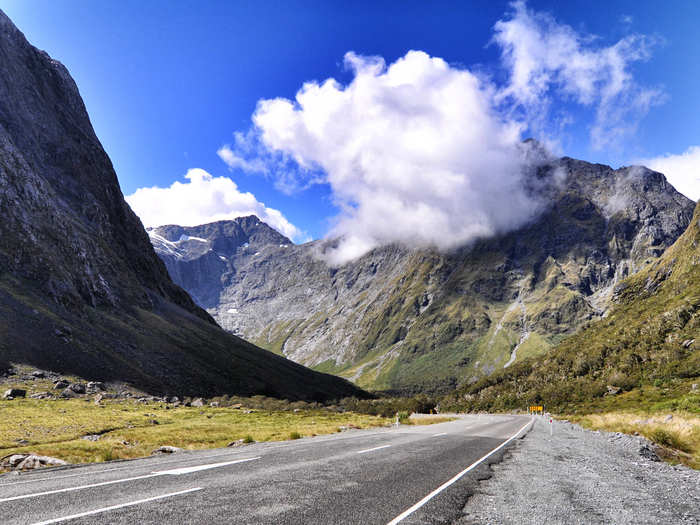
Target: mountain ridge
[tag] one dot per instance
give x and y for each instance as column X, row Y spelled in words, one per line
column 81, row 288
column 418, row 319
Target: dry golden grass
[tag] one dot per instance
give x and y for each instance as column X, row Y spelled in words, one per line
column 129, row 430
column 430, row 420
column 679, row 437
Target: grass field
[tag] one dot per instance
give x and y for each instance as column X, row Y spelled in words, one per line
column 130, row 430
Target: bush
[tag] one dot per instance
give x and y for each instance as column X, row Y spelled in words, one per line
column 404, row 417
column 294, row 435
column 670, row 439
column 248, row 439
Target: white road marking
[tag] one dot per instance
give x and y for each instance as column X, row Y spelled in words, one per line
column 372, row 449
column 59, row 477
column 440, row 434
column 114, row 507
column 189, row 470
column 442, row 487
column 176, row 472
column 81, row 487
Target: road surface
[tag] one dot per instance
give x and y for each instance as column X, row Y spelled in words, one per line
column 410, row 474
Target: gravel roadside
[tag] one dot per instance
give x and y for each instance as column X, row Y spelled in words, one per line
column 579, row 476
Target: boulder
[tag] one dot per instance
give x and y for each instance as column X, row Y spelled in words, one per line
column 649, row 453
column 694, row 386
column 668, row 418
column 166, row 449
column 41, row 395
column 214, row 404
column 38, row 374
column 29, row 461
column 68, row 393
column 612, row 390
column 60, row 384
column 78, row 388
column 199, row 402
column 12, row 393
column 688, row 342
column 173, row 399
column 95, row 386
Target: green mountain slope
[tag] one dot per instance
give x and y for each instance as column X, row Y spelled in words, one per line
column 651, row 337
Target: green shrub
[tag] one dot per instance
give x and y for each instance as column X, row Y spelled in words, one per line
column 294, row 435
column 248, row 439
column 404, row 417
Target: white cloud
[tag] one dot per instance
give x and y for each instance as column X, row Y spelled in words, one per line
column 548, row 60
column 202, row 199
column 426, row 153
column 413, row 153
column 233, row 161
column 682, row 171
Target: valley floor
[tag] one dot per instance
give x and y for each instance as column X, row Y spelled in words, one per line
column 579, row 476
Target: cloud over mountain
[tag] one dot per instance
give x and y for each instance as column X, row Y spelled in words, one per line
column 428, row 153
column 202, row 199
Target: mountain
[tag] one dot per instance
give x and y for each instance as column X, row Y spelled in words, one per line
column 81, row 288
column 650, row 338
column 197, row 257
column 417, row 320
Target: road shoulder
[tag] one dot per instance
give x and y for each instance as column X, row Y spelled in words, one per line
column 579, row 476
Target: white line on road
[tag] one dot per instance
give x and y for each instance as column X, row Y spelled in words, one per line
column 70, row 489
column 114, row 507
column 53, row 478
column 189, row 470
column 177, row 472
column 372, row 449
column 442, row 487
column 440, row 434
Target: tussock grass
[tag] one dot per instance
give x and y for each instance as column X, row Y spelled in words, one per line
column 55, row 427
column 680, row 436
column 429, row 420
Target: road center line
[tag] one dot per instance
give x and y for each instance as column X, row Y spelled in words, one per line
column 440, row 434
column 372, row 449
column 114, row 507
column 442, row 487
column 189, row 470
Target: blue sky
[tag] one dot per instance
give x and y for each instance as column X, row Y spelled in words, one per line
column 168, row 83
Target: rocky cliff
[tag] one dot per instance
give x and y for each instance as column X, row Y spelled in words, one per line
column 401, row 318
column 81, row 288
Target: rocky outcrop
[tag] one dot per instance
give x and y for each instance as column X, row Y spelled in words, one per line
column 81, row 289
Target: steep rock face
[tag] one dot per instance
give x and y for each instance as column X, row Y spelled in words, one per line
column 400, row 318
column 81, row 288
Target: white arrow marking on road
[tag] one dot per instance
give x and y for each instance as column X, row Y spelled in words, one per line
column 372, row 449
column 114, row 507
column 189, row 470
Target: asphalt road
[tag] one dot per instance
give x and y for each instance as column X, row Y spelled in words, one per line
column 411, row 474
